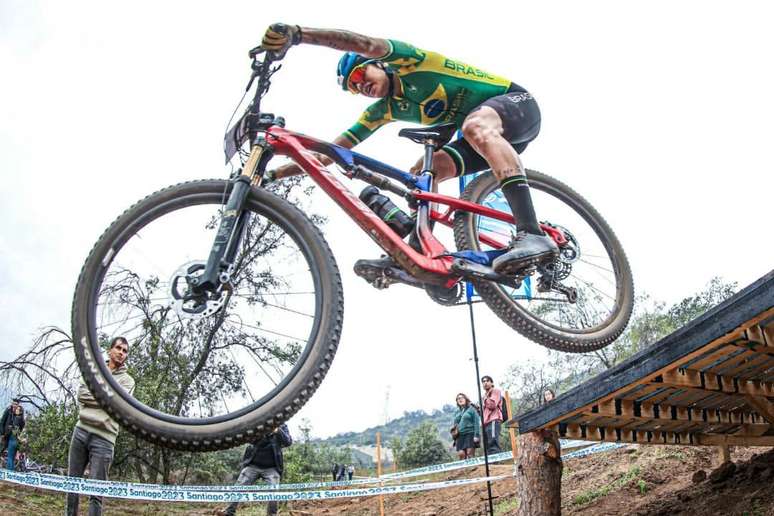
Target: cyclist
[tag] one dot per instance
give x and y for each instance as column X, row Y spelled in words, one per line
column 497, row 117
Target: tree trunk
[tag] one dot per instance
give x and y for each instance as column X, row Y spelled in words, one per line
column 138, row 470
column 539, row 474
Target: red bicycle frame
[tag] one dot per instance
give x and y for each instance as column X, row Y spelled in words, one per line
column 434, row 265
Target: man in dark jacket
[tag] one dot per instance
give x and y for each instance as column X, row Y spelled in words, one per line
column 11, row 425
column 263, row 459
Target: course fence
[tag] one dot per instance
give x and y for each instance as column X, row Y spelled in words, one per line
column 281, row 492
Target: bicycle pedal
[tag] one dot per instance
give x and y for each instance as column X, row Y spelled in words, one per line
column 468, row 269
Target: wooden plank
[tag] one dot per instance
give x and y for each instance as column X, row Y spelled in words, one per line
column 700, row 393
column 728, row 423
column 762, row 406
column 754, row 369
column 511, row 431
column 642, row 392
column 755, row 333
column 723, row 454
column 751, row 360
column 665, row 394
column 723, row 324
column 574, row 432
column 606, row 408
column 682, row 378
column 768, row 334
column 765, row 348
column 733, row 440
column 738, row 361
column 721, row 353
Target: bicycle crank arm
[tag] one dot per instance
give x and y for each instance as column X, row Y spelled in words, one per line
column 472, row 270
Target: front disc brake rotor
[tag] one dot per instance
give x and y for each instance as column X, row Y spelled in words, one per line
column 187, row 302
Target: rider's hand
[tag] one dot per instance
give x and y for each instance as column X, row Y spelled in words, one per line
column 278, row 39
column 417, row 168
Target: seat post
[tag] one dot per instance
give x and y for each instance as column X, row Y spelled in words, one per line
column 427, row 164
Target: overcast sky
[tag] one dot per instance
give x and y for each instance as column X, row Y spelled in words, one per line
column 660, row 113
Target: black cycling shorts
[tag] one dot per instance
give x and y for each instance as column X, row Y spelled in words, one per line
column 520, row 115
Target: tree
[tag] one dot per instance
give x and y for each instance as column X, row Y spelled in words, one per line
column 423, row 447
column 306, row 459
column 396, row 445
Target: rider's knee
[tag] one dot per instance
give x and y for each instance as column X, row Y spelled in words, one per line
column 479, row 132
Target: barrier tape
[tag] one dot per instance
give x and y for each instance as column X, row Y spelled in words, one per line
column 124, row 490
column 264, row 493
column 592, row 449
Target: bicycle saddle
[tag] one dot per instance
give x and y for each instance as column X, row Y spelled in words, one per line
column 438, row 135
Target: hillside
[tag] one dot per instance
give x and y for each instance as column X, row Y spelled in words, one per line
column 400, row 427
column 641, row 481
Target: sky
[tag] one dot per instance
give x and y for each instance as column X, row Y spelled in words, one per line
column 659, row 113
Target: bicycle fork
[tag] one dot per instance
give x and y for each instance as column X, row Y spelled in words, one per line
column 233, row 221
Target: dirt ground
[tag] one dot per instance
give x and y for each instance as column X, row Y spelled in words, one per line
column 641, row 481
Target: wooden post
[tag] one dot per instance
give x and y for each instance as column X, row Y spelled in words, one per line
column 511, row 430
column 723, row 454
column 539, row 474
column 379, row 469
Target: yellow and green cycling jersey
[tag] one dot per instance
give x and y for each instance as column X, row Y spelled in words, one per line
column 436, row 90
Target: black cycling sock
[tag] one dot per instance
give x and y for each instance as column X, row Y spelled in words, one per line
column 516, row 191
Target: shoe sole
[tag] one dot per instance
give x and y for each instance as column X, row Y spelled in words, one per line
column 512, row 267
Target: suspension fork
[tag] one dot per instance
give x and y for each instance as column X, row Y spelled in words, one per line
column 233, row 220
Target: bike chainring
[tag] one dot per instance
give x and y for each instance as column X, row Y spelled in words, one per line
column 187, row 301
column 445, row 296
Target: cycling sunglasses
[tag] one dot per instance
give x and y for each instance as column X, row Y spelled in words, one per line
column 356, row 77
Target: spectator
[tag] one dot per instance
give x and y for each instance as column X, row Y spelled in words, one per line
column 12, row 425
column 350, row 471
column 94, row 436
column 335, row 471
column 340, row 472
column 467, row 427
column 263, row 459
column 548, row 396
column 493, row 415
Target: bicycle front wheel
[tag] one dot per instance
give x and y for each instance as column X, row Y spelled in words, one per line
column 214, row 375
column 579, row 303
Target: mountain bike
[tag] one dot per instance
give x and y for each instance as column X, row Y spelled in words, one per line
column 232, row 301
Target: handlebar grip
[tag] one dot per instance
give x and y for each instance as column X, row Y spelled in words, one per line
column 279, row 28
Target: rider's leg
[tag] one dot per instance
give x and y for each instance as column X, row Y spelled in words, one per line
column 483, row 130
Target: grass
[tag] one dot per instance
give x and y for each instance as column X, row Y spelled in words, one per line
column 589, row 496
column 506, row 506
column 757, row 510
column 669, row 453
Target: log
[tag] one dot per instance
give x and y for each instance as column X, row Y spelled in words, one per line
column 539, row 474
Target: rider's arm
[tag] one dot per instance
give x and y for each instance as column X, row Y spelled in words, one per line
column 292, row 169
column 346, row 41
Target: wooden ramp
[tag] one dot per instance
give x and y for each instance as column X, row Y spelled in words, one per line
column 709, row 383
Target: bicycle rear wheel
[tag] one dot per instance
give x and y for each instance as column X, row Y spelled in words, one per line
column 593, row 265
column 208, row 377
